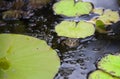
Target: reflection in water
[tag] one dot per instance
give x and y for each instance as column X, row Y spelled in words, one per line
column 108, row 4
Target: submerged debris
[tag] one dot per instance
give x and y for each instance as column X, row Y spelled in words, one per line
column 19, row 8
column 33, row 4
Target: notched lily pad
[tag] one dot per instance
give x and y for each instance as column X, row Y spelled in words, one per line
column 25, row 57
column 98, row 74
column 70, row 8
column 110, row 64
column 75, row 30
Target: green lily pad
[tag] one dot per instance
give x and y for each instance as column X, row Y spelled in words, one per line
column 70, row 8
column 100, row 24
column 109, row 17
column 98, row 11
column 75, row 30
column 110, row 64
column 100, row 27
column 25, row 57
column 98, row 74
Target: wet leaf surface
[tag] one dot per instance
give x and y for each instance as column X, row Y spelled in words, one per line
column 26, row 57
column 110, row 64
column 101, row 75
column 72, row 29
column 70, row 8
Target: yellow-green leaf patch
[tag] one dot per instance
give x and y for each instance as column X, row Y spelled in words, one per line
column 72, row 29
column 25, row 57
column 109, row 17
column 70, row 8
column 110, row 64
column 98, row 74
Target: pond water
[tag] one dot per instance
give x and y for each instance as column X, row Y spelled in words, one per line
column 107, row 4
column 77, row 62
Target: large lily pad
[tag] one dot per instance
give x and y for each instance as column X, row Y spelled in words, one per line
column 70, row 8
column 75, row 30
column 25, row 57
column 110, row 64
column 98, row 74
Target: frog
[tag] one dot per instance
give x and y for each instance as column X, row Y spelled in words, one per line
column 71, row 42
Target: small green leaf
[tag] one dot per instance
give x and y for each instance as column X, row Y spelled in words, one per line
column 110, row 64
column 100, row 26
column 98, row 11
column 109, row 16
column 75, row 30
column 25, row 57
column 98, row 74
column 71, row 9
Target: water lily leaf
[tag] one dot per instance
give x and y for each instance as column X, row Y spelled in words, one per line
column 75, row 30
column 70, row 8
column 98, row 11
column 110, row 64
column 25, row 57
column 109, row 17
column 100, row 26
column 98, row 74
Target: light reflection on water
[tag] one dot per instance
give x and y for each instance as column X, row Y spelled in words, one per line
column 107, row 4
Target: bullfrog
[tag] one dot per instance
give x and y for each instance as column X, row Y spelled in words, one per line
column 71, row 42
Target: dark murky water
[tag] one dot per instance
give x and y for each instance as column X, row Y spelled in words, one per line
column 77, row 62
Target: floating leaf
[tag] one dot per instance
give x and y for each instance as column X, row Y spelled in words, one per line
column 98, row 11
column 75, row 30
column 100, row 26
column 98, row 74
column 70, row 8
column 25, row 57
column 109, row 16
column 110, row 64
